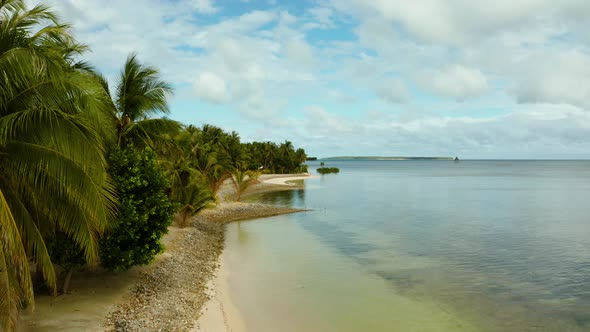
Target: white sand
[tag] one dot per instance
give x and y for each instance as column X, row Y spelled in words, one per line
column 220, row 314
column 284, row 180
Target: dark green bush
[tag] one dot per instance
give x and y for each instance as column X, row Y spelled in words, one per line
column 327, row 170
column 145, row 211
column 65, row 253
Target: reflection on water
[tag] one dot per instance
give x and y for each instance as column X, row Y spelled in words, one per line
column 294, row 197
column 488, row 245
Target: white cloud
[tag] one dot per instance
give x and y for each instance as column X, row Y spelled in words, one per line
column 321, row 18
column 247, row 22
column 340, row 96
column 286, row 18
column 454, row 81
column 211, row 88
column 321, row 122
column 526, row 132
column 521, row 69
column 204, row 6
column 565, row 80
column 455, row 22
column 393, row 91
column 300, row 53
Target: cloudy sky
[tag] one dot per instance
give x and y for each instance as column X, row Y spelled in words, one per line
column 477, row 79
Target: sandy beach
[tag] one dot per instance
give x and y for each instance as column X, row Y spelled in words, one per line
column 220, row 314
column 185, row 289
column 284, row 180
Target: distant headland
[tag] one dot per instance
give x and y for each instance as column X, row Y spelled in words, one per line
column 385, row 158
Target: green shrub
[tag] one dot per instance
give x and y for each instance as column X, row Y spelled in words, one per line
column 67, row 254
column 145, row 211
column 327, row 170
column 302, row 169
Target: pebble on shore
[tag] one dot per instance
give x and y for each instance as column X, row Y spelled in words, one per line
column 169, row 296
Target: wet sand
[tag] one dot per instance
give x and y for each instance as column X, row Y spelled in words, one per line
column 220, row 314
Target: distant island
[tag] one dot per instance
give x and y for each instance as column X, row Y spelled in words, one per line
column 386, row 158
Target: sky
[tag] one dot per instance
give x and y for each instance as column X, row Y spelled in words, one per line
column 474, row 79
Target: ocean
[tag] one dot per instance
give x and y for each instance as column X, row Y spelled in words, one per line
column 495, row 245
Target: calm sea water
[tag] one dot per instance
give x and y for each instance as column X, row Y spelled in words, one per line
column 421, row 246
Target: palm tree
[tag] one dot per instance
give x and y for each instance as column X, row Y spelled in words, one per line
column 214, row 172
column 234, row 150
column 241, row 181
column 193, row 198
column 140, row 94
column 211, row 158
column 52, row 166
column 269, row 156
column 300, row 158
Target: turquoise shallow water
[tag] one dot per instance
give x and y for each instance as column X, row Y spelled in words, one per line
column 421, row 246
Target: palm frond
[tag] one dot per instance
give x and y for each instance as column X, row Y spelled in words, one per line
column 53, row 115
column 15, row 280
column 140, row 91
column 26, row 19
column 149, row 132
column 81, row 206
column 31, row 236
column 11, row 6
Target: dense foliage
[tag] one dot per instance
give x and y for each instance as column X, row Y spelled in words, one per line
column 328, row 170
column 51, row 151
column 273, row 158
column 67, row 254
column 145, row 212
column 212, row 155
column 61, row 200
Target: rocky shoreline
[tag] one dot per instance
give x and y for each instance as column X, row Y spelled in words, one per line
column 169, row 295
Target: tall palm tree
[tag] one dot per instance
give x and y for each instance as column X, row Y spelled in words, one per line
column 269, row 155
column 211, row 158
column 52, row 166
column 300, row 159
column 214, row 171
column 140, row 95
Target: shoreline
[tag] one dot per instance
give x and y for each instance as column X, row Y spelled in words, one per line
column 220, row 314
column 285, row 179
column 173, row 295
column 174, row 291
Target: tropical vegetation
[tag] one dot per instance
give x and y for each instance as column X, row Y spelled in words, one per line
column 145, row 211
column 52, row 152
column 327, row 170
column 89, row 173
